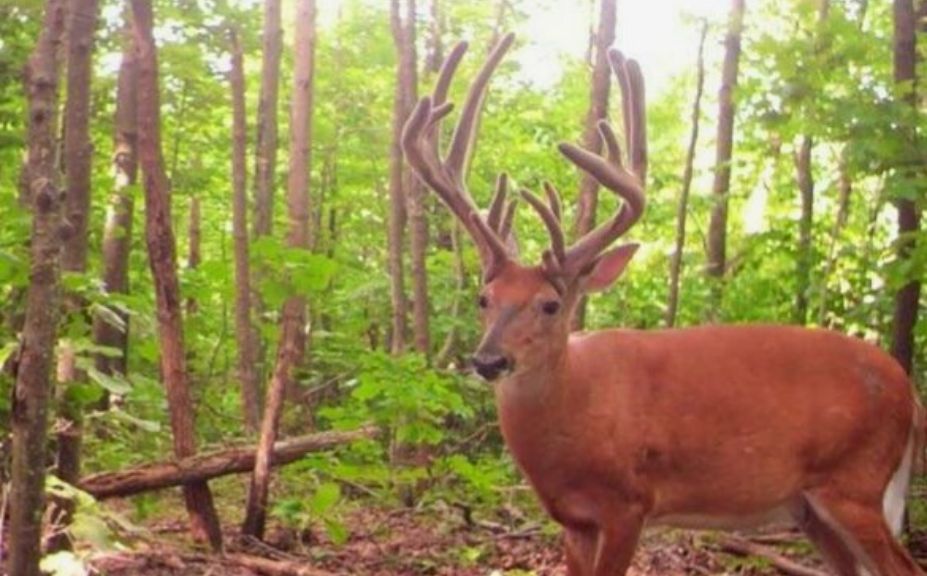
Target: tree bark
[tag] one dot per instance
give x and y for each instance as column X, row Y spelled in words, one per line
column 78, row 151
column 434, row 46
column 717, row 228
column 209, row 465
column 265, row 158
column 805, row 181
column 292, row 337
column 404, row 38
column 29, row 410
column 682, row 208
column 117, row 231
column 397, row 215
column 159, row 234
column 598, row 110
column 244, row 329
column 907, row 297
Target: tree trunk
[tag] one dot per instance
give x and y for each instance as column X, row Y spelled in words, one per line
column 404, row 37
column 397, row 215
column 598, row 110
column 162, row 259
column 208, row 465
column 292, row 335
column 117, row 232
column 265, row 158
column 844, row 190
column 805, row 181
column 682, row 209
column 244, row 329
column 81, row 27
column 29, row 410
column 908, row 296
column 460, row 280
column 717, row 228
column 434, row 47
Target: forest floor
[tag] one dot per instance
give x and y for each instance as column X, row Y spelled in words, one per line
column 393, row 542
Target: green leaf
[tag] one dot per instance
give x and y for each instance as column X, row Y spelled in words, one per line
column 114, row 384
column 146, row 425
column 325, row 498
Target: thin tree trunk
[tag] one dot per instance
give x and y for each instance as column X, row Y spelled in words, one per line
column 434, row 47
column 29, row 410
column 397, row 215
column 844, row 190
column 265, row 158
column 805, row 182
column 162, row 257
column 417, row 195
column 906, row 299
column 717, row 228
column 598, row 110
column 244, row 329
column 117, row 231
column 682, row 209
column 292, row 337
column 78, row 151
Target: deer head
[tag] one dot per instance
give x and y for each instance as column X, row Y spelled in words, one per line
column 526, row 310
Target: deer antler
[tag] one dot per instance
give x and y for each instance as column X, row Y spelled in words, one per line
column 420, row 143
column 560, row 262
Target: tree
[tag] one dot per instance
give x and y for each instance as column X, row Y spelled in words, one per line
column 162, row 259
column 244, row 329
column 911, row 167
column 30, row 396
column 717, row 228
column 112, row 331
column 416, row 195
column 598, row 110
column 78, row 151
column 265, row 158
column 397, row 195
column 682, row 209
column 291, row 348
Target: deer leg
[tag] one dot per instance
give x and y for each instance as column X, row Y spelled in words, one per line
column 580, row 545
column 616, row 542
column 825, row 534
column 865, row 533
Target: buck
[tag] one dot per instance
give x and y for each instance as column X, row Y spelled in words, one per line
column 711, row 427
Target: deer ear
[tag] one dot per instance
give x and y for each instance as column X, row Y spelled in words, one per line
column 609, row 267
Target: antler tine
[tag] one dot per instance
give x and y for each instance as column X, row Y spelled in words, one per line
column 638, row 150
column 619, row 181
column 551, row 222
column 498, row 202
column 459, row 151
column 553, row 199
column 505, row 229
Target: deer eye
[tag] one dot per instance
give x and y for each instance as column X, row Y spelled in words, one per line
column 550, row 307
column 483, row 302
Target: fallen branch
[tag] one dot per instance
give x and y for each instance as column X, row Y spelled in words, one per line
column 274, row 567
column 785, row 565
column 207, row 465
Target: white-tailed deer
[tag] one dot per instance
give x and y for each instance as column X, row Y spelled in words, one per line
column 711, row 427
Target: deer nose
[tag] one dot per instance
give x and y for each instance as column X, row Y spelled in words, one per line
column 490, row 366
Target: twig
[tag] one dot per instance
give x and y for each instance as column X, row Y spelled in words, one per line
column 785, row 565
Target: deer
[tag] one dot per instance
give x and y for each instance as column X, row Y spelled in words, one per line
column 708, row 427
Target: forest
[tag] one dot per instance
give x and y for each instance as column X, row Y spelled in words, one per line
column 240, row 307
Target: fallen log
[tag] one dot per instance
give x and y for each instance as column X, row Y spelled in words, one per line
column 207, row 465
column 740, row 547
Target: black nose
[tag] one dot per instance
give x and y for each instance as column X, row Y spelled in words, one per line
column 489, row 367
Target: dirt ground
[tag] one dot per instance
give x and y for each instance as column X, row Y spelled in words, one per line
column 408, row 542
